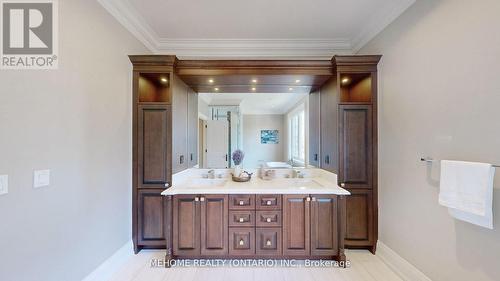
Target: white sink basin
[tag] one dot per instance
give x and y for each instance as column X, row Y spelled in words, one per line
column 298, row 183
column 201, row 183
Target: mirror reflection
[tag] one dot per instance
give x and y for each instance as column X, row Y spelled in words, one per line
column 268, row 129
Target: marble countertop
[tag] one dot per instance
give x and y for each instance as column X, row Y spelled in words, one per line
column 315, row 184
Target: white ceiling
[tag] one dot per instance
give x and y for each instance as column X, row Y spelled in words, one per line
column 255, row 103
column 258, row 28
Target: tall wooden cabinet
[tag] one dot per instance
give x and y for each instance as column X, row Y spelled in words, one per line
column 152, row 148
column 348, row 122
column 357, row 148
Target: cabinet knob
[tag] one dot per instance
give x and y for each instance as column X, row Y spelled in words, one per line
column 242, row 220
column 268, row 219
column 196, row 199
column 167, row 184
column 242, row 203
column 242, row 242
column 268, row 243
column 268, row 202
column 308, row 198
column 202, row 199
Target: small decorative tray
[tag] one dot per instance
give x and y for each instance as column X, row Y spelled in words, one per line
column 244, row 177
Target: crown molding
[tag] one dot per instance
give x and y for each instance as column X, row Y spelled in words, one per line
column 379, row 23
column 310, row 49
column 132, row 21
column 307, row 49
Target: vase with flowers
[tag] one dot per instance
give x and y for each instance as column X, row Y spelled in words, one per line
column 237, row 157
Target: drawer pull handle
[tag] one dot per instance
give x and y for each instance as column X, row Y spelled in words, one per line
column 269, row 202
column 268, row 219
column 242, row 203
column 242, row 220
column 202, row 199
column 242, row 242
column 196, row 199
column 268, row 243
column 308, row 199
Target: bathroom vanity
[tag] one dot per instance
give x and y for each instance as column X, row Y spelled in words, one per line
column 279, row 218
column 191, row 219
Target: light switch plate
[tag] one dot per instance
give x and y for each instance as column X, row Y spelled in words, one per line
column 41, row 178
column 4, row 184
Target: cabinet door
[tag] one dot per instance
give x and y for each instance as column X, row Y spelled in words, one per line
column 192, row 154
column 154, row 145
column 186, row 220
column 324, row 225
column 296, row 225
column 356, row 146
column 329, row 125
column 314, row 129
column 179, row 125
column 214, row 225
column 151, row 218
column 359, row 218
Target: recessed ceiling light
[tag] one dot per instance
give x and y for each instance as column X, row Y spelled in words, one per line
column 163, row 80
column 297, row 81
column 290, row 89
column 210, row 81
column 345, row 80
column 216, row 89
column 253, row 89
column 254, row 80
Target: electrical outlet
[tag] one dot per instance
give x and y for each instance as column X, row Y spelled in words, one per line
column 4, row 184
column 41, row 178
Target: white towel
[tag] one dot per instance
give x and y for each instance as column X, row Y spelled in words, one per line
column 466, row 188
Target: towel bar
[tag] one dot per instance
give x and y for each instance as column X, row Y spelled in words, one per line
column 430, row 160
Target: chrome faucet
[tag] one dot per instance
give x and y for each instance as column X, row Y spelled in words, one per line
column 211, row 174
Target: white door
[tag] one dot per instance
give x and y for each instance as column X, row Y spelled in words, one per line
column 217, row 144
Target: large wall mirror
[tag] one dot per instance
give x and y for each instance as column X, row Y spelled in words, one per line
column 273, row 118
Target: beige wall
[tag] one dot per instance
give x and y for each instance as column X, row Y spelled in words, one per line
column 75, row 121
column 439, row 96
column 256, row 152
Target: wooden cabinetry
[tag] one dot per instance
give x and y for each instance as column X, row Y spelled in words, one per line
column 214, row 225
column 360, row 218
column 314, row 129
column 312, row 226
column 329, row 125
column 151, row 150
column 324, row 225
column 296, row 225
column 200, row 225
column 186, row 225
column 151, row 221
column 153, row 143
column 356, row 145
column 357, row 148
column 192, row 138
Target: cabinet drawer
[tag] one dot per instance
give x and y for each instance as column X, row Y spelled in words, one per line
column 242, row 202
column 241, row 241
column 268, row 218
column 268, row 241
column 268, row 202
column 241, row 218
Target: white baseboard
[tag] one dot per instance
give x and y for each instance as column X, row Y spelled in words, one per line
column 402, row 267
column 112, row 264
